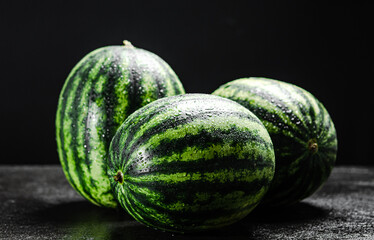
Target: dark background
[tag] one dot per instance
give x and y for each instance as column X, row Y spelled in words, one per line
column 324, row 48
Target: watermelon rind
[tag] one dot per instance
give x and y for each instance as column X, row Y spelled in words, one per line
column 302, row 131
column 191, row 162
column 105, row 87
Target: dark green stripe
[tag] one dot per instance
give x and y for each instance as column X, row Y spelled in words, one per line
column 155, row 109
column 267, row 114
column 159, row 107
column 133, row 89
column 74, row 115
column 323, row 124
column 306, row 110
column 66, row 89
column 290, row 96
column 113, row 74
column 159, row 80
column 135, row 128
column 210, row 165
column 189, row 190
column 86, row 182
column 313, row 176
column 171, row 76
column 203, row 137
column 132, row 205
column 292, row 188
column 91, row 97
column 62, row 109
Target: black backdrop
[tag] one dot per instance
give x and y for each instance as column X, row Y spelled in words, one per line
column 320, row 47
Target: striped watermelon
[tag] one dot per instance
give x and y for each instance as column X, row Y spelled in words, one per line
column 190, row 162
column 301, row 129
column 105, row 87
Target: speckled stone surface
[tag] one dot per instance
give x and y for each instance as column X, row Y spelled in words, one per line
column 36, row 202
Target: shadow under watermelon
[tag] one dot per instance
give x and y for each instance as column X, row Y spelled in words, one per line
column 296, row 213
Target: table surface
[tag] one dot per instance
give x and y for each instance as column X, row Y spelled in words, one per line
column 37, row 202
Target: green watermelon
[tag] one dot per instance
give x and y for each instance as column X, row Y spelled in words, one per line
column 190, row 162
column 302, row 132
column 105, row 87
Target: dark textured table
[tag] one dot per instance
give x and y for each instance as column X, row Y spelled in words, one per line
column 36, row 202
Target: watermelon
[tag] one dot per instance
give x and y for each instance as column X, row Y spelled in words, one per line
column 302, row 132
column 190, row 162
column 105, row 87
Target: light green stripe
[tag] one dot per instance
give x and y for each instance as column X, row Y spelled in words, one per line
column 307, row 101
column 90, row 115
column 137, row 116
column 157, row 65
column 67, row 123
column 214, row 123
column 149, row 87
column 295, row 165
column 327, row 132
column 152, row 195
column 149, row 212
column 97, row 156
column 68, row 141
column 194, row 153
column 273, row 129
column 150, row 65
column 214, row 201
column 277, row 91
column 120, row 90
column 169, row 84
column 218, row 176
column 189, row 107
column 267, row 86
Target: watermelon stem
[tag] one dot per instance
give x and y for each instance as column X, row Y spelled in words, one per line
column 119, row 177
column 313, row 146
column 127, row 44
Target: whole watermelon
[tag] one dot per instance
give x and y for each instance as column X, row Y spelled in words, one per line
column 301, row 129
column 105, row 87
column 190, row 162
